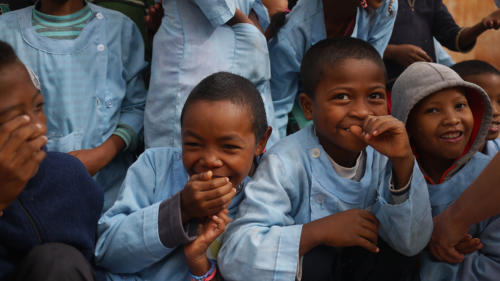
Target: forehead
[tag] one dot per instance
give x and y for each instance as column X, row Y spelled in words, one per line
column 218, row 118
column 352, row 71
column 443, row 95
column 490, row 82
column 15, row 84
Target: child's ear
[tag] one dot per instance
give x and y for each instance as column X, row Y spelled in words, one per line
column 261, row 145
column 306, row 104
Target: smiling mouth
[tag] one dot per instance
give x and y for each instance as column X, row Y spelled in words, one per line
column 452, row 137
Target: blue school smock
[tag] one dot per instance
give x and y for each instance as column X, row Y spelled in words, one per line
column 481, row 265
column 193, row 42
column 89, row 84
column 295, row 184
column 492, row 147
column 129, row 245
column 304, row 27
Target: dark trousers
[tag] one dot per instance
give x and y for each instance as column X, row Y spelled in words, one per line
column 54, row 261
column 356, row 264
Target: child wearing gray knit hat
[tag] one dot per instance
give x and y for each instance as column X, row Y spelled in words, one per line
column 447, row 120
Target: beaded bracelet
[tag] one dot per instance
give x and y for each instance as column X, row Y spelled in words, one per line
column 207, row 276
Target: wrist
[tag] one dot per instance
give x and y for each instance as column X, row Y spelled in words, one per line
column 207, row 275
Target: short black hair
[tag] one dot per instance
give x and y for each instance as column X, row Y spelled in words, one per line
column 474, row 67
column 328, row 53
column 7, row 55
column 238, row 90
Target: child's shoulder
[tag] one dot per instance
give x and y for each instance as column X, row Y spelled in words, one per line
column 299, row 142
column 162, row 155
column 112, row 17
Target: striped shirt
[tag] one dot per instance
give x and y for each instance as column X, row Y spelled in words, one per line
column 61, row 27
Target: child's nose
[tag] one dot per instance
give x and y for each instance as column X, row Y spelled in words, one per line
column 210, row 161
column 360, row 110
column 451, row 119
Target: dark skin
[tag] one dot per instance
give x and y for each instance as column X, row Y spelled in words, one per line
column 349, row 110
column 451, row 226
column 218, row 147
column 338, row 15
column 406, row 54
column 22, row 131
column 97, row 158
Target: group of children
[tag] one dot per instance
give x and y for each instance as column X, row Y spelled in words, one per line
column 349, row 197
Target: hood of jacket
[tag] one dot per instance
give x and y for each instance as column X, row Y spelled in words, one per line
column 422, row 79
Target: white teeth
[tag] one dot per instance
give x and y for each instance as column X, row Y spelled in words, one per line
column 451, row 135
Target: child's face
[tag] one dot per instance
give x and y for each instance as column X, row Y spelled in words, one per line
column 440, row 126
column 18, row 96
column 491, row 84
column 347, row 94
column 217, row 136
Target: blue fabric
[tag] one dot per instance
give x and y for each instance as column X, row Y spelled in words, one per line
column 492, row 147
column 129, row 245
column 193, row 42
column 442, row 57
column 295, row 184
column 304, row 27
column 89, row 84
column 63, row 203
column 480, row 265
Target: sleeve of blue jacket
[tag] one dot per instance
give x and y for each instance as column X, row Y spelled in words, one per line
column 406, row 227
column 132, row 106
column 218, row 12
column 129, row 239
column 484, row 264
column 285, row 66
column 263, row 243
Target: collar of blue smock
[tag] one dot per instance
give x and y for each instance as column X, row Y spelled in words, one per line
column 88, row 35
column 323, row 173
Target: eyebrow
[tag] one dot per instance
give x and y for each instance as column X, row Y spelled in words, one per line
column 223, row 138
column 13, row 107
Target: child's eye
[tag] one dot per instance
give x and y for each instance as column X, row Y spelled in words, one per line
column 431, row 110
column 340, row 97
column 39, row 107
column 377, row 96
column 460, row 105
column 191, row 144
column 231, row 146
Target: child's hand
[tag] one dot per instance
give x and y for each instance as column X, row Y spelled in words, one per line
column 388, row 136
column 469, row 245
column 204, row 196
column 492, row 21
column 21, row 153
column 153, row 17
column 208, row 231
column 97, row 158
column 353, row 227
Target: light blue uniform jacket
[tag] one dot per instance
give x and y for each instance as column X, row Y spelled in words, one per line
column 296, row 184
column 304, row 27
column 89, row 84
column 129, row 245
column 492, row 147
column 193, row 42
column 482, row 265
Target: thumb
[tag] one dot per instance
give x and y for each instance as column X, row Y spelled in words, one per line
column 202, row 176
column 357, row 131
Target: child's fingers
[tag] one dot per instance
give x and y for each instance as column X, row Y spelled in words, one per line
column 449, row 255
column 369, row 216
column 7, row 128
column 367, row 244
column 201, row 176
column 211, row 192
column 216, row 205
column 224, row 216
column 469, row 246
column 357, row 131
column 29, row 150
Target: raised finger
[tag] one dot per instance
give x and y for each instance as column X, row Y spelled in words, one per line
column 201, row 176
column 21, row 135
column 7, row 128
